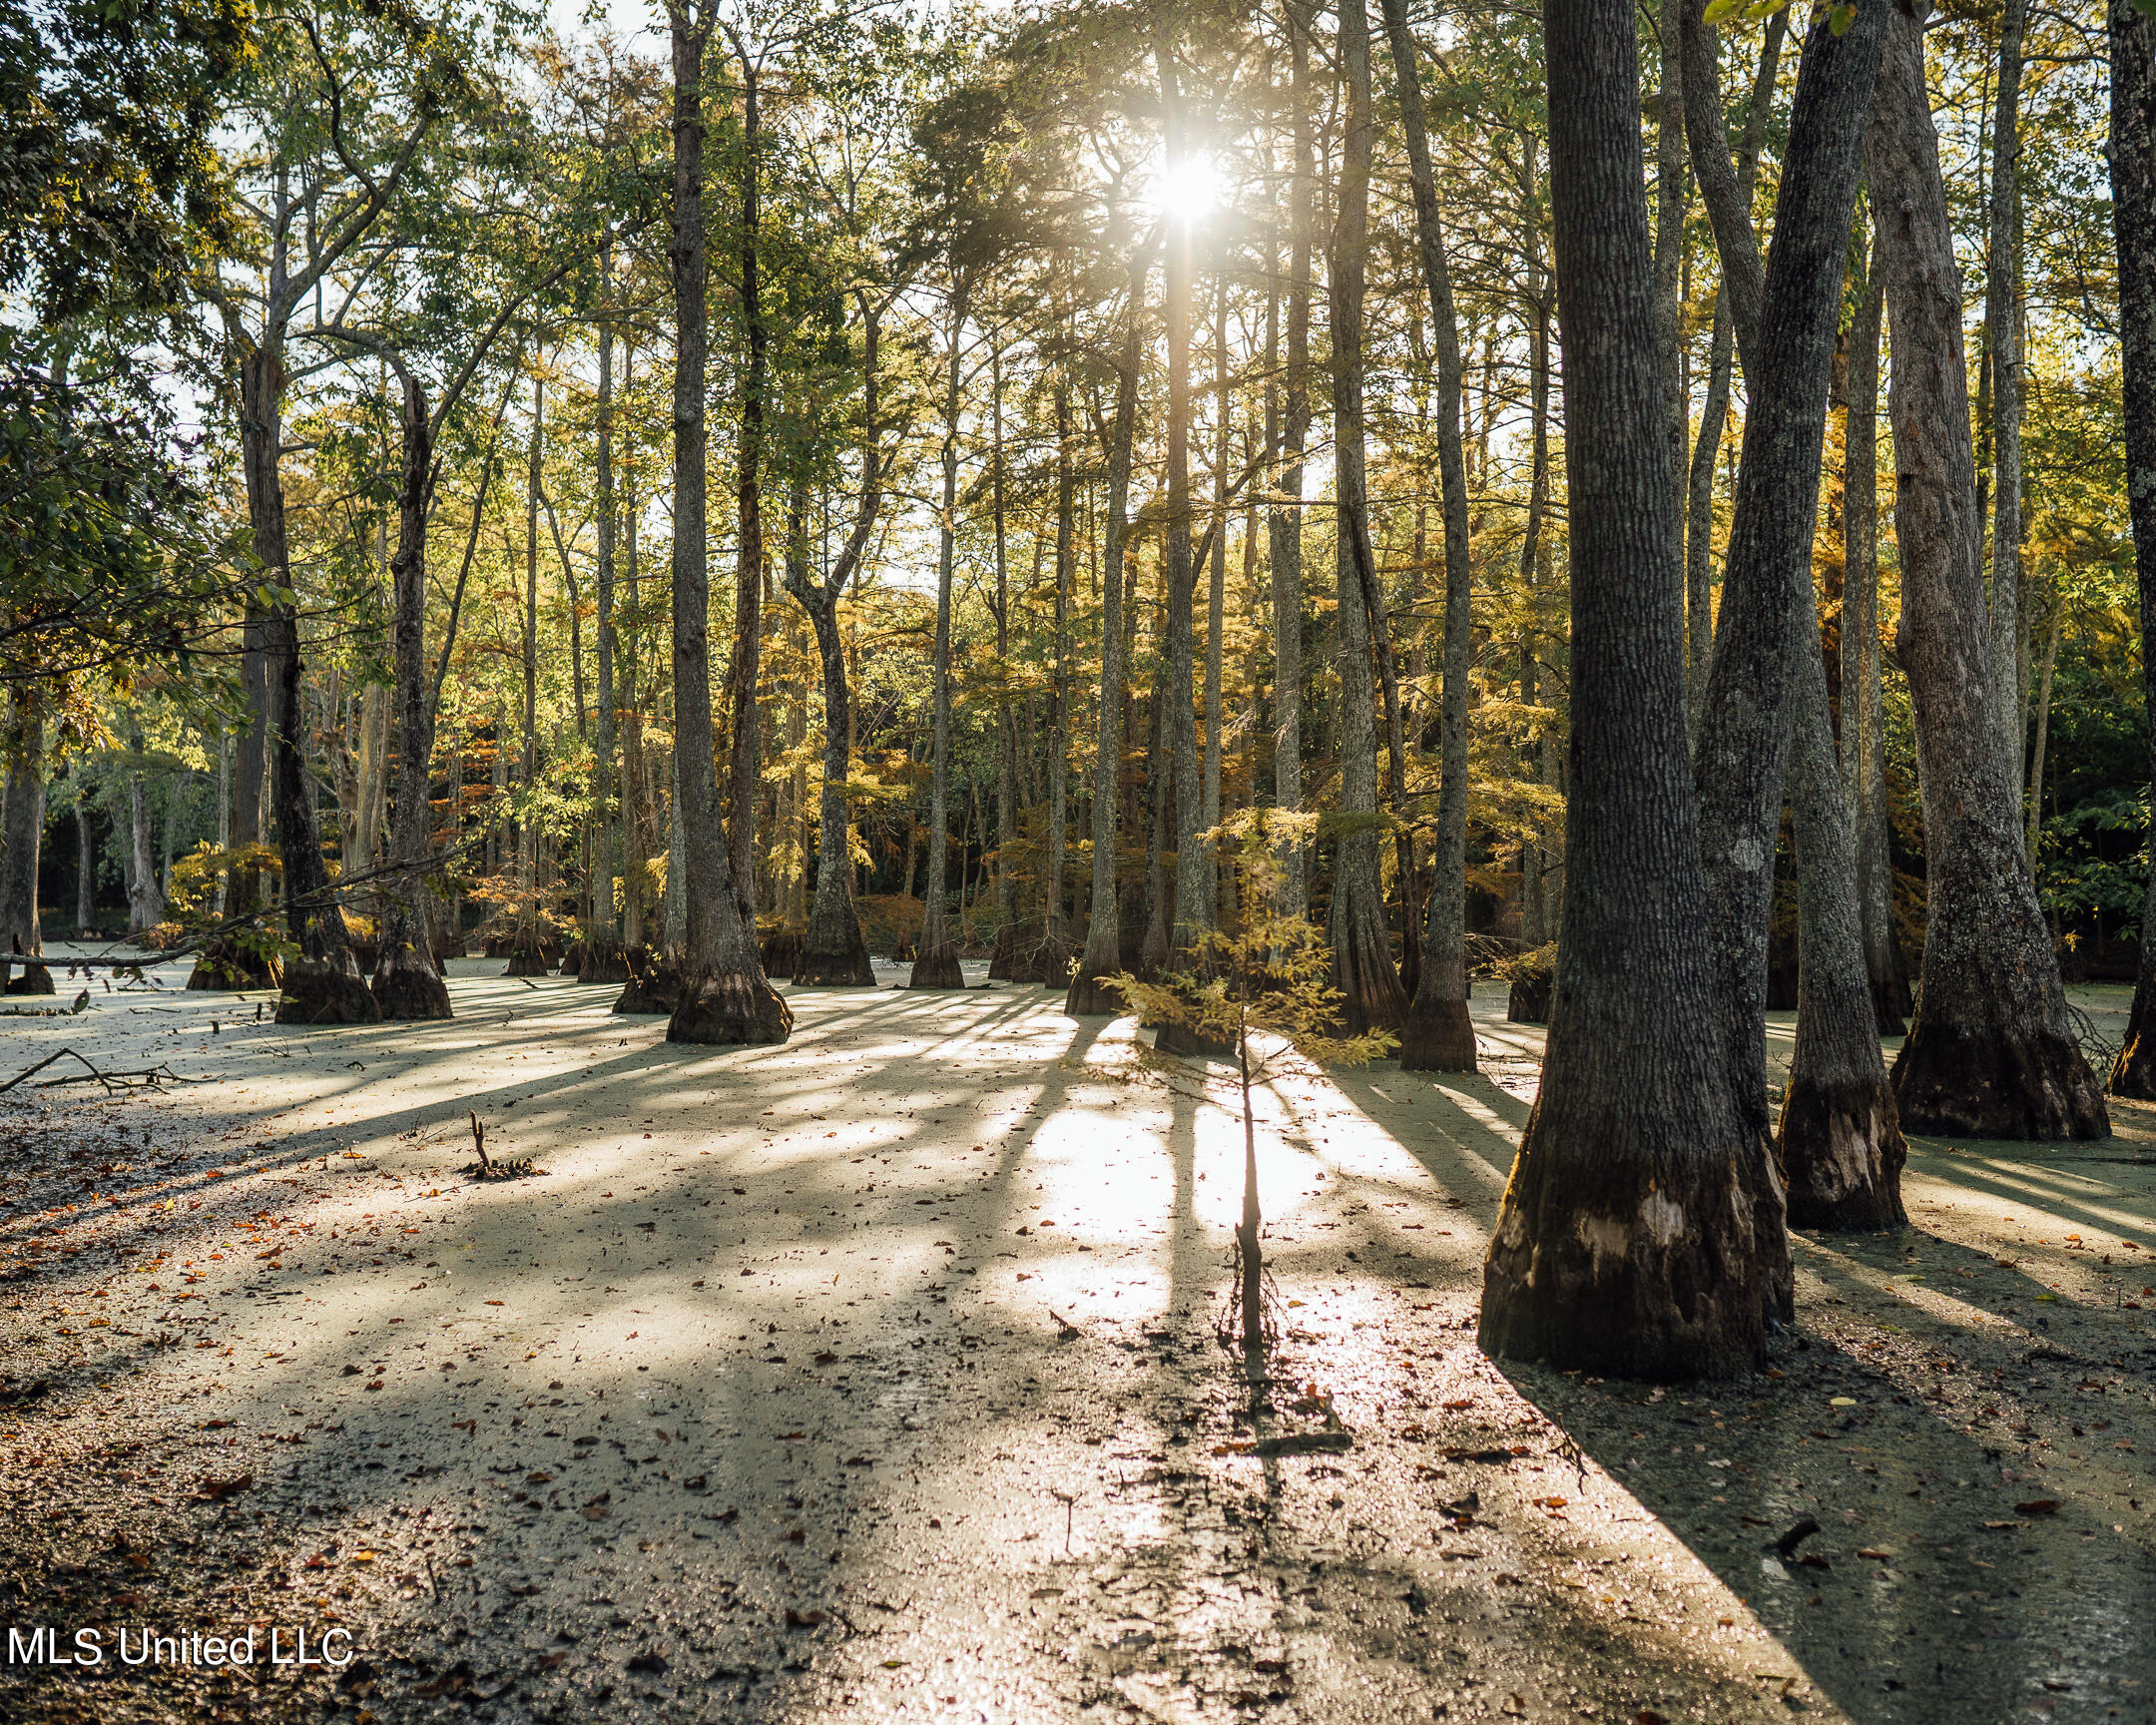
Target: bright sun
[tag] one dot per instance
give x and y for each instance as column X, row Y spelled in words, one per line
column 1191, row 189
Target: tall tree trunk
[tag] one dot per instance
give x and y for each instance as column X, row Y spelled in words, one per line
column 22, row 828
column 323, row 985
column 85, row 865
column 2133, row 221
column 1054, row 960
column 743, row 669
column 604, row 959
column 1196, row 893
column 723, row 996
column 1363, row 971
column 1285, row 520
column 1864, row 735
column 407, row 983
column 1438, row 1035
column 1699, row 535
column 1768, row 617
column 635, row 800
column 1103, row 954
column 146, row 904
column 1990, row 1053
column 1669, row 244
column 833, row 954
column 935, row 963
column 1626, row 1240
column 1841, row 1138
column 2002, row 344
column 1006, row 961
column 527, row 956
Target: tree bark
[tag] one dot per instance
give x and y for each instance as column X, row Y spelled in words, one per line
column 2133, row 217
column 1990, row 1053
column 1626, row 1241
column 85, row 867
column 1438, row 1035
column 2002, row 334
column 1103, row 956
column 1864, row 735
column 935, row 963
column 1363, row 970
column 723, row 996
column 604, row 959
column 1284, row 519
column 833, row 954
column 527, row 955
column 145, row 904
column 1053, row 961
column 747, row 662
column 1767, row 621
column 22, row 830
column 407, row 983
column 1699, row 535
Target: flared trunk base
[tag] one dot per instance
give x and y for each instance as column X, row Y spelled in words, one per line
column 730, row 1009
column 1952, row 1083
column 408, row 990
column 1053, row 960
column 528, row 957
column 572, row 957
column 652, row 988
column 1010, row 961
column 225, row 969
column 834, row 957
column 1529, row 1000
column 938, row 967
column 35, row 979
column 1662, row 1287
column 319, row 994
column 1843, row 1155
column 603, row 960
column 780, row 953
column 1090, row 996
column 1438, row 1038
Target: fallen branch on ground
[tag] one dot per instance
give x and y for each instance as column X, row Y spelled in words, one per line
column 152, row 1076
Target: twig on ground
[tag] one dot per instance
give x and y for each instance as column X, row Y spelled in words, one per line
column 152, row 1076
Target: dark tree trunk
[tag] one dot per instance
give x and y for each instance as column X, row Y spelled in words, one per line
column 1841, row 1139
column 323, row 985
column 407, row 983
column 604, row 959
column 744, row 758
column 1051, row 962
column 1439, row 1035
column 1362, row 970
column 1626, row 1241
column 84, row 868
column 2133, row 219
column 22, row 828
column 833, row 954
column 1284, row 523
column 2002, row 343
column 935, row 964
column 1699, row 535
column 1864, row 736
column 1103, row 955
column 1767, row 617
column 528, row 952
column 720, row 995
column 1990, row 1053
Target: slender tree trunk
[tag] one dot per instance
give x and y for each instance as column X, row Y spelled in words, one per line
column 635, row 799
column 2044, row 726
column 1990, row 1053
column 1841, row 1139
column 85, row 867
column 1864, row 732
column 1626, row 1241
column 1103, row 954
column 1767, row 619
column 2133, row 221
column 22, row 830
column 1363, row 970
column 833, row 954
column 604, row 959
column 1699, row 536
column 527, row 957
column 1054, row 960
column 1438, row 1035
column 146, row 904
column 935, row 964
column 2002, row 330
column 407, row 983
column 1006, row 962
column 1284, row 521
column 723, row 996
column 742, row 670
